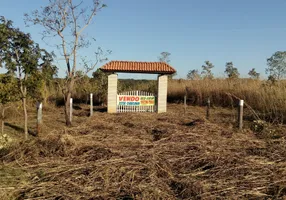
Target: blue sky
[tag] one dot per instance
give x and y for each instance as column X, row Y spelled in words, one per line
column 246, row 32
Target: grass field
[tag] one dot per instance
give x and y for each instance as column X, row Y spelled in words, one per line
column 145, row 156
column 267, row 99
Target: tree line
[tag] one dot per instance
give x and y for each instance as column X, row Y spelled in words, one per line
column 276, row 69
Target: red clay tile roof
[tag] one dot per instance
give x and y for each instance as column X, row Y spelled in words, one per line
column 138, row 67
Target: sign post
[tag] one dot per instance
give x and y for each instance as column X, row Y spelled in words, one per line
column 240, row 114
column 39, row 117
column 91, row 104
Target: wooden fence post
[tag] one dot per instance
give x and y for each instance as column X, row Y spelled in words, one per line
column 240, row 114
column 39, row 117
column 208, row 108
column 71, row 108
column 185, row 103
column 91, row 104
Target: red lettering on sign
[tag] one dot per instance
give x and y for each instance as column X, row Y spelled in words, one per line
column 129, row 98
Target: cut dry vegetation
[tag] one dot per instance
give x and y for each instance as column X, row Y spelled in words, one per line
column 145, row 156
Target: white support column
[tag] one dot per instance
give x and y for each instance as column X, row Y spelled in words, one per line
column 112, row 93
column 162, row 93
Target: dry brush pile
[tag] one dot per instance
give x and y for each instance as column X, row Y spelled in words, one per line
column 147, row 156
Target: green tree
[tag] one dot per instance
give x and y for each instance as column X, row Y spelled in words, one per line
column 253, row 74
column 231, row 71
column 20, row 56
column 8, row 94
column 207, row 70
column 100, row 80
column 47, row 74
column 276, row 65
column 194, row 75
column 68, row 20
column 84, row 86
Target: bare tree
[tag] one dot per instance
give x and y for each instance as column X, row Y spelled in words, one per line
column 165, row 57
column 253, row 74
column 194, row 75
column 68, row 20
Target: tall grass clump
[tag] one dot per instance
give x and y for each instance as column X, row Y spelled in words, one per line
column 267, row 99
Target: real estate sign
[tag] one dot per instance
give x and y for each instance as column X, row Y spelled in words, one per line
column 129, row 100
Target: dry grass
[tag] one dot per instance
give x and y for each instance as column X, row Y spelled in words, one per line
column 146, row 156
column 269, row 100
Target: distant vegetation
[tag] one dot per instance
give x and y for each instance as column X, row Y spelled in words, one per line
column 32, row 76
column 264, row 97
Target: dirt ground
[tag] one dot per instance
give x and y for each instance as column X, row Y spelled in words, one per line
column 173, row 155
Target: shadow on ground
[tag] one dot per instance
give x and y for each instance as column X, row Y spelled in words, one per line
column 20, row 129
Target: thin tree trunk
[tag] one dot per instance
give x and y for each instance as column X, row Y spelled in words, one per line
column 25, row 117
column 67, row 96
column 45, row 93
column 23, row 90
